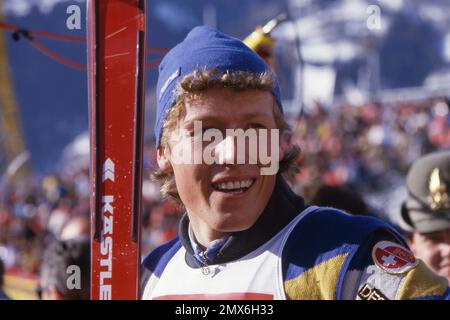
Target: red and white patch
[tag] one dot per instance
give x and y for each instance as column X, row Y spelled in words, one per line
column 393, row 258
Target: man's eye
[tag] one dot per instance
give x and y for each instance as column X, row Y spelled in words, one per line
column 433, row 238
column 209, row 128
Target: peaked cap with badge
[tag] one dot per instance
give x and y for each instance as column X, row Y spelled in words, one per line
column 427, row 207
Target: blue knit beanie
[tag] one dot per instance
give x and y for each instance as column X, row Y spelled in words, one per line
column 203, row 48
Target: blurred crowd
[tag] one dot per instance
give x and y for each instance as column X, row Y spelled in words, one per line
column 366, row 146
column 356, row 147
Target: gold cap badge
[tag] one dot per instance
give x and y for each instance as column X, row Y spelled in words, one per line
column 438, row 198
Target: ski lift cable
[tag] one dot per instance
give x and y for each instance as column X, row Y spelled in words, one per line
column 31, row 34
column 55, row 56
column 71, row 38
column 43, row 34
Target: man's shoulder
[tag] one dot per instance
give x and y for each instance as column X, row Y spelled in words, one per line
column 328, row 236
column 155, row 262
column 330, row 223
column 161, row 255
column 354, row 256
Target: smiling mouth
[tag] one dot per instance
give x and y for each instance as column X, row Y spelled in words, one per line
column 234, row 187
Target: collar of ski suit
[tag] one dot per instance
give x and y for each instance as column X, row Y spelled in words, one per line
column 283, row 206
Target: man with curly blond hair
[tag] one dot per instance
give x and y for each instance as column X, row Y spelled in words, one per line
column 245, row 234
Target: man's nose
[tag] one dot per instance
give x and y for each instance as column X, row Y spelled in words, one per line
column 227, row 150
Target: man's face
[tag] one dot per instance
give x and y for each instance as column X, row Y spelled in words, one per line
column 213, row 202
column 434, row 249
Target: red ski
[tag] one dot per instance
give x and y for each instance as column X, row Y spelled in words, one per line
column 116, row 44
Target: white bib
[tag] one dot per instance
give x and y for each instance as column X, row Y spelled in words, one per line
column 258, row 275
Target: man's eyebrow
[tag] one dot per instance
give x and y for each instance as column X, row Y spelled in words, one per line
column 433, row 234
column 244, row 116
column 203, row 118
column 256, row 115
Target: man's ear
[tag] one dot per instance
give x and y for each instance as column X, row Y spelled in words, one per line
column 163, row 160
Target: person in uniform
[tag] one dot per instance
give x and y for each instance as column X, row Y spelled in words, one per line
column 425, row 214
column 245, row 234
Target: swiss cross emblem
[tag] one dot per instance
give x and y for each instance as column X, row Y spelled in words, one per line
column 393, row 258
